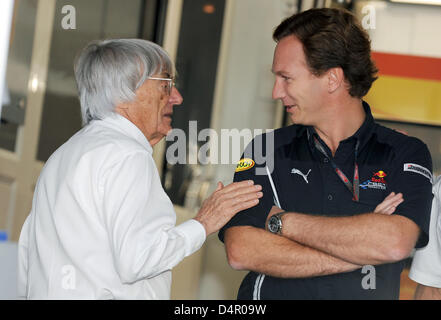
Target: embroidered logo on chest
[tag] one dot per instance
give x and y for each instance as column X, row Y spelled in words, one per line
column 304, row 176
column 377, row 181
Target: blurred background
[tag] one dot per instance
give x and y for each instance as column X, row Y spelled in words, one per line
column 223, row 52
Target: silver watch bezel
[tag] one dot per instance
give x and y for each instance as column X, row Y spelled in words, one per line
column 275, row 223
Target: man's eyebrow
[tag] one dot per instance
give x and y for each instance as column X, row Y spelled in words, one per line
column 280, row 73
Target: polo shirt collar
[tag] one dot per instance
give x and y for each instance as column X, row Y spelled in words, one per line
column 128, row 128
column 363, row 134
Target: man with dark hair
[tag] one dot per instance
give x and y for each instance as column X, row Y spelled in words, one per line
column 348, row 199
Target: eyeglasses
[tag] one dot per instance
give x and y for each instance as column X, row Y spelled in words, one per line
column 170, row 83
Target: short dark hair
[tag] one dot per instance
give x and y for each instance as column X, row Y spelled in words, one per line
column 333, row 38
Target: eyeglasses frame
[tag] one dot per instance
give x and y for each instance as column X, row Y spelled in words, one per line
column 171, row 83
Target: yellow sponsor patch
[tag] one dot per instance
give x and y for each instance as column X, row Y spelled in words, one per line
column 245, row 164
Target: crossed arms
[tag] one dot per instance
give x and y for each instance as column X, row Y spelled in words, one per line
column 315, row 245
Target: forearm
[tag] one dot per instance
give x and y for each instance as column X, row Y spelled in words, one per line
column 423, row 292
column 362, row 239
column 258, row 250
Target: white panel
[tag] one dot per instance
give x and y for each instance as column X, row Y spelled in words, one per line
column 6, row 7
column 392, row 30
column 427, row 33
column 405, row 29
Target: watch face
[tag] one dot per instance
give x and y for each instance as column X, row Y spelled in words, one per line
column 274, row 224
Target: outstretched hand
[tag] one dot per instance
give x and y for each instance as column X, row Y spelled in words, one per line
column 225, row 202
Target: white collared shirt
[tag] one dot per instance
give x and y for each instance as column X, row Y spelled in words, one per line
column 426, row 263
column 101, row 225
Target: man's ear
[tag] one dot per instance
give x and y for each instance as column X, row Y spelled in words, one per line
column 336, row 79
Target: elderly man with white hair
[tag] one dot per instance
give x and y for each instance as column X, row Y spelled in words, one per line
column 101, row 225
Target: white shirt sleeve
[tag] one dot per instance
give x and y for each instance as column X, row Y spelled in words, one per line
column 426, row 264
column 23, row 261
column 140, row 221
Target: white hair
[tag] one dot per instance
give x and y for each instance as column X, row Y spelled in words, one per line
column 109, row 72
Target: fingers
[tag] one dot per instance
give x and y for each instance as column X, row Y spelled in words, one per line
column 235, row 194
column 391, row 195
column 390, row 199
column 390, row 203
column 220, row 186
column 247, row 196
column 242, row 202
column 238, row 189
column 242, row 198
column 394, row 201
column 225, row 202
column 244, row 205
column 238, row 185
column 395, row 204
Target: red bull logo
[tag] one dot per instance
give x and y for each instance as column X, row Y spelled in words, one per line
column 376, row 182
column 379, row 177
column 380, row 174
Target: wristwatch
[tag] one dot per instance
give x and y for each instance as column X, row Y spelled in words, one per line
column 275, row 223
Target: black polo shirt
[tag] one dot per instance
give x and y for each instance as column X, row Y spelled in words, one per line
column 305, row 182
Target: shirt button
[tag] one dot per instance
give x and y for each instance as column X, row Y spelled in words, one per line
column 330, row 197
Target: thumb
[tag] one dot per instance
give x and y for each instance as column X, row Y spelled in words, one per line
column 220, row 186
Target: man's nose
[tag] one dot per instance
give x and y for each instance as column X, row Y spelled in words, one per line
column 175, row 97
column 278, row 90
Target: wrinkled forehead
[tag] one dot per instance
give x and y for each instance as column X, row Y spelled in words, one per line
column 164, row 69
column 160, row 66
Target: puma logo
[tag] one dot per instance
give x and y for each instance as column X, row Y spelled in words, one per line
column 305, row 176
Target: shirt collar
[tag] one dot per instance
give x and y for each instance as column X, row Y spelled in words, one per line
column 128, row 128
column 363, row 134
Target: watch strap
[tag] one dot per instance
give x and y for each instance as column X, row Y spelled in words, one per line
column 279, row 215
